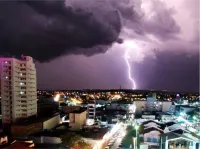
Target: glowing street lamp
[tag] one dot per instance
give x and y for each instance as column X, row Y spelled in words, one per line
column 56, row 99
column 137, row 127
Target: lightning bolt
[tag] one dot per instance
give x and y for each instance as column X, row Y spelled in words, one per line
column 127, row 57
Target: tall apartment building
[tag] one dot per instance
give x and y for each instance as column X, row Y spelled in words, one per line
column 18, row 88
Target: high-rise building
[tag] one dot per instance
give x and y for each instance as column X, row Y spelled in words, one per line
column 18, row 88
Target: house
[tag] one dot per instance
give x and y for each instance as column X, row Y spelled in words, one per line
column 175, row 140
column 150, row 132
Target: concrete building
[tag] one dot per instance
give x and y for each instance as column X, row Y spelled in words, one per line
column 152, row 105
column 183, row 141
column 168, row 107
column 118, row 106
column 18, row 88
column 91, row 110
column 150, row 132
column 77, row 119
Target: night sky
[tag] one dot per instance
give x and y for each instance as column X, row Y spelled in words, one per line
column 83, row 44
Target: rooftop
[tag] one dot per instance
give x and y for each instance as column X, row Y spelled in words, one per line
column 78, row 111
column 186, row 136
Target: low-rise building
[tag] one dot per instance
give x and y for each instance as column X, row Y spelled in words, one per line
column 175, row 140
column 77, row 119
column 150, row 132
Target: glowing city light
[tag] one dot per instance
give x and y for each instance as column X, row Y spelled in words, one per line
column 90, row 122
column 75, row 101
column 56, row 99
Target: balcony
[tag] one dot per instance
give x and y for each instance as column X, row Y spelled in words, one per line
column 91, row 111
column 6, row 69
column 24, row 114
column 23, row 70
column 91, row 116
column 7, row 103
column 7, row 88
column 6, row 73
column 5, row 108
column 91, row 107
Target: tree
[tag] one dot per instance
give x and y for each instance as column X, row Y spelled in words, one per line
column 74, row 141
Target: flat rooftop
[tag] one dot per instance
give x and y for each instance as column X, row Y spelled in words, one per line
column 78, row 111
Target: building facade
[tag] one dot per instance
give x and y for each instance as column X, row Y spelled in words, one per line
column 77, row 119
column 91, row 111
column 18, row 88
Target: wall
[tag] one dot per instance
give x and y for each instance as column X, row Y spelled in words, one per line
column 165, row 118
column 187, row 109
column 116, row 106
column 139, row 105
column 166, row 106
column 152, row 117
column 79, row 120
column 144, row 146
column 52, row 122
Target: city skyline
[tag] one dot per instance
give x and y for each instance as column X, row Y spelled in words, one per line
column 73, row 54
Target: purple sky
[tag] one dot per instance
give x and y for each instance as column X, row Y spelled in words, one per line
column 78, row 42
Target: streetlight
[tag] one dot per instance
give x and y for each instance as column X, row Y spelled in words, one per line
column 136, row 128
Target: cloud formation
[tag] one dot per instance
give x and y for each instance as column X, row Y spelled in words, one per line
column 48, row 29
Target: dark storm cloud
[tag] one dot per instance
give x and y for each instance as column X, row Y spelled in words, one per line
column 48, row 29
column 176, row 72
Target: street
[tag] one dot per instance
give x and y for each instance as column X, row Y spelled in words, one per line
column 116, row 139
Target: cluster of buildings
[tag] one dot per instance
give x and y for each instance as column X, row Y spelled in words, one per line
column 166, row 135
column 168, row 125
